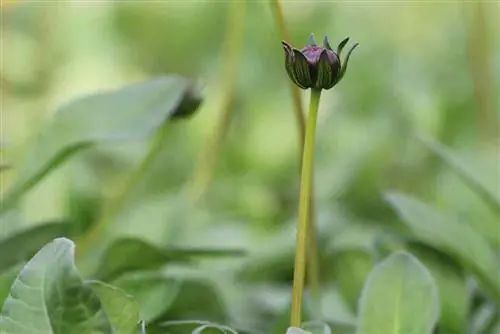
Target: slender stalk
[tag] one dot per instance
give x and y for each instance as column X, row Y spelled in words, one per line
column 206, row 163
column 313, row 253
column 297, row 103
column 306, row 181
column 119, row 201
column 480, row 66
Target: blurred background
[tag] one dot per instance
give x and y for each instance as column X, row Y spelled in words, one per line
column 428, row 67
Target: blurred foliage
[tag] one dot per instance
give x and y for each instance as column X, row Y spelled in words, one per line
column 407, row 169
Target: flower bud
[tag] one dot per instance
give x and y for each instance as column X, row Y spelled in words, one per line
column 315, row 66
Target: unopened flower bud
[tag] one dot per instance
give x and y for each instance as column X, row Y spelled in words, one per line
column 317, row 67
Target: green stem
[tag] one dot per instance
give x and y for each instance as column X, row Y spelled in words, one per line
column 207, row 161
column 306, row 181
column 119, row 201
column 312, row 254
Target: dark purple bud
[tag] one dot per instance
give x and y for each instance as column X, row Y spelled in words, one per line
column 315, row 66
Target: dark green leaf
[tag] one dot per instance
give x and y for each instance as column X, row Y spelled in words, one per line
column 130, row 113
column 5, row 167
column 198, row 299
column 7, row 277
column 129, row 254
column 24, row 244
column 399, row 297
column 153, row 292
column 120, row 308
column 49, row 296
column 456, row 238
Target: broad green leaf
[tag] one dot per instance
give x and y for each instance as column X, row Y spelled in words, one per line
column 399, row 297
column 23, row 244
column 128, row 254
column 49, row 296
column 471, row 178
column 153, row 292
column 131, row 113
column 120, row 308
column 456, row 238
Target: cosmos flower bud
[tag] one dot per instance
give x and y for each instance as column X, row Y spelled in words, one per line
column 317, row 67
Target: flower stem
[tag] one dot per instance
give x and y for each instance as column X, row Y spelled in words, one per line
column 306, row 181
column 207, row 160
column 312, row 253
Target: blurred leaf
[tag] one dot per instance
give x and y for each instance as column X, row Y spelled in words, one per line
column 400, row 296
column 23, row 244
column 120, row 308
column 220, row 329
column 295, row 330
column 317, row 327
column 340, row 328
column 483, row 318
column 281, row 320
column 4, row 167
column 352, row 267
column 453, row 292
column 130, row 113
column 7, row 277
column 153, row 292
column 457, row 239
column 198, row 299
column 469, row 176
column 197, row 326
column 127, row 254
column 63, row 303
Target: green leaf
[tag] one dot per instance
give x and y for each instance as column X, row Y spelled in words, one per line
column 131, row 113
column 471, row 178
column 7, row 277
column 451, row 236
column 128, row 254
column 49, row 296
column 121, row 309
column 295, row 330
column 317, row 327
column 198, row 299
column 153, row 292
column 453, row 292
column 23, row 244
column 399, row 297
column 352, row 267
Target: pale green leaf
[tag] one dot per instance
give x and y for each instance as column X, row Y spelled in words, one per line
column 296, row 330
column 21, row 245
column 49, row 297
column 466, row 173
column 451, row 236
column 399, row 297
column 131, row 113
